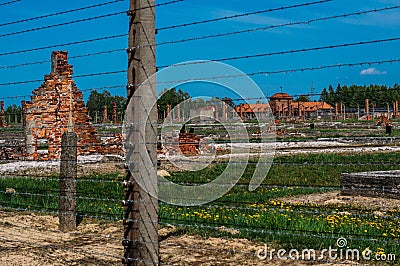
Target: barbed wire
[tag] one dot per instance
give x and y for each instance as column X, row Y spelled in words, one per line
column 305, row 22
column 55, row 178
column 82, row 90
column 63, row 24
column 211, row 36
column 278, row 231
column 64, row 44
column 294, row 208
column 83, row 8
column 59, row 13
column 10, row 2
column 319, row 48
column 227, row 58
column 57, row 196
column 75, row 233
column 70, row 57
column 242, row 15
column 61, row 248
column 76, row 76
column 55, row 211
column 285, row 71
column 233, row 99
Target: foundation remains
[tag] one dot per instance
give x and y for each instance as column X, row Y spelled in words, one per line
column 385, row 184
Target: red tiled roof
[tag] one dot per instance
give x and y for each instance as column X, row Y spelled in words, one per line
column 253, row 108
column 281, row 96
column 312, row 106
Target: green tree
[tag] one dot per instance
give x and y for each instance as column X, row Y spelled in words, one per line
column 324, row 96
column 97, row 101
column 170, row 97
column 13, row 114
column 302, row 98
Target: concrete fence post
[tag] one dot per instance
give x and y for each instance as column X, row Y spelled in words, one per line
column 68, row 173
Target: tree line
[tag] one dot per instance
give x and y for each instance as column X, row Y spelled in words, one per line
column 354, row 95
column 13, row 114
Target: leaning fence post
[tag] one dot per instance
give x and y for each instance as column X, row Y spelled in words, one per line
column 68, row 173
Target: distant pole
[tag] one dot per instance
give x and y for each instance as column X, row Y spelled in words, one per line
column 344, row 112
column 68, row 173
column 114, row 112
column 96, row 116
column 140, row 242
column 2, row 117
column 23, row 104
column 105, row 114
column 336, row 111
column 388, row 110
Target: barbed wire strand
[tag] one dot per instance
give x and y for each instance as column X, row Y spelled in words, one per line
column 59, row 13
column 74, row 250
column 305, row 22
column 242, row 15
column 10, row 2
column 64, row 44
column 285, row 71
column 62, row 24
column 318, row 48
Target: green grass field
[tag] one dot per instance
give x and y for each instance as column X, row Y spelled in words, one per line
column 260, row 215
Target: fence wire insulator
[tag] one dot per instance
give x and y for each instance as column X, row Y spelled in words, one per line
column 128, row 183
column 127, row 242
column 130, row 86
column 131, row 50
column 127, row 203
column 131, row 13
column 128, row 222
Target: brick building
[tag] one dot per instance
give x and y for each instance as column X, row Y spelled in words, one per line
column 56, row 102
column 282, row 106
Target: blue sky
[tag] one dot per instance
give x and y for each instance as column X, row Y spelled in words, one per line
column 368, row 27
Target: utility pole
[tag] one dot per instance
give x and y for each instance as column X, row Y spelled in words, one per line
column 312, row 91
column 140, row 242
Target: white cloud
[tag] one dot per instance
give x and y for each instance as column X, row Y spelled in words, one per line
column 372, row 71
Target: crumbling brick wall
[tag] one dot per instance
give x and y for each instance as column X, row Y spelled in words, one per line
column 48, row 112
column 189, row 143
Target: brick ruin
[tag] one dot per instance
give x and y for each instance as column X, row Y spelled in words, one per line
column 56, row 102
column 189, row 143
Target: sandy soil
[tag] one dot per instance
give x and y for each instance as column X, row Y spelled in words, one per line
column 32, row 239
column 334, row 198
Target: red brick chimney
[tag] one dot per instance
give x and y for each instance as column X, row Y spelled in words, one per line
column 105, row 114
column 59, row 63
